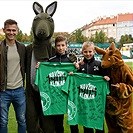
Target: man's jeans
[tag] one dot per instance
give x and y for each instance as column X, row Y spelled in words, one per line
column 18, row 100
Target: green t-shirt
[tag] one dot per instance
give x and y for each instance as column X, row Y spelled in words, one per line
column 86, row 100
column 51, row 77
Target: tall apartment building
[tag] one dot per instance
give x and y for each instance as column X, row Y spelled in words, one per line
column 113, row 26
column 124, row 25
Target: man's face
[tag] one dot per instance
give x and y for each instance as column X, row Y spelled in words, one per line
column 10, row 31
column 61, row 47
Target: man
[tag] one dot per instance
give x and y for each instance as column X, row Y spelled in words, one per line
column 12, row 71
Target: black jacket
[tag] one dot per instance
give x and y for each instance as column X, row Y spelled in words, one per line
column 93, row 67
column 21, row 51
column 60, row 58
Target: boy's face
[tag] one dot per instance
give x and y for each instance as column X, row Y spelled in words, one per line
column 61, row 47
column 88, row 52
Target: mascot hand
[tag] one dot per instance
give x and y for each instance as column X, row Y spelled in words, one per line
column 72, row 57
column 113, row 106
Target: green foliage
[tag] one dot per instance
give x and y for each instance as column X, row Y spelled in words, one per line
column 2, row 37
column 111, row 39
column 19, row 35
column 98, row 37
column 25, row 38
column 31, row 36
column 92, row 39
column 74, row 37
column 79, row 37
column 101, row 37
column 126, row 39
column 60, row 33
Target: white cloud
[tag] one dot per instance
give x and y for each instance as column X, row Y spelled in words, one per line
column 70, row 14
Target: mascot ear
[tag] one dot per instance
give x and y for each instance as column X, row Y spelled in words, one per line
column 37, row 8
column 112, row 47
column 100, row 51
column 50, row 9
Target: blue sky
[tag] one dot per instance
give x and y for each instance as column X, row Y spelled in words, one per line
column 70, row 14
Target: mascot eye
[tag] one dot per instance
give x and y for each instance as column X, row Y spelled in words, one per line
column 108, row 59
column 50, row 19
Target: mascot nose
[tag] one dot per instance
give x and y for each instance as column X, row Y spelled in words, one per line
column 102, row 66
column 41, row 32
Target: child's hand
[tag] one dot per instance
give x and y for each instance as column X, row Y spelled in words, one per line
column 37, row 65
column 81, row 62
column 76, row 65
column 70, row 73
column 116, row 85
column 106, row 78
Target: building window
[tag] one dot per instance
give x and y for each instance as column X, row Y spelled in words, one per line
column 113, row 24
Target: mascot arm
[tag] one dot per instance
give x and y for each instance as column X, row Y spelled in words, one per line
column 125, row 90
column 126, row 86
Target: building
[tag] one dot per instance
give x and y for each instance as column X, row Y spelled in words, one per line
column 124, row 25
column 112, row 26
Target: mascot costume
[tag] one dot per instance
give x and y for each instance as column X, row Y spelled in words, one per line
column 119, row 113
column 40, row 50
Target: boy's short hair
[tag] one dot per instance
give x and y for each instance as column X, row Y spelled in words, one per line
column 60, row 38
column 10, row 21
column 87, row 44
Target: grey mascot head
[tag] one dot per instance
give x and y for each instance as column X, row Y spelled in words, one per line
column 43, row 29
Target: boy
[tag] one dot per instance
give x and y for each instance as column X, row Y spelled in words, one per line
column 90, row 66
column 60, row 56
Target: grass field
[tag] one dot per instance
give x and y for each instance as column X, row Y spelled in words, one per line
column 12, row 125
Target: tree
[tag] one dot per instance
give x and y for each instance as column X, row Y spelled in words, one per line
column 65, row 34
column 98, row 37
column 125, row 39
column 31, row 36
column 92, row 39
column 25, row 38
column 19, row 36
column 2, row 37
column 79, row 37
column 101, row 37
column 111, row 39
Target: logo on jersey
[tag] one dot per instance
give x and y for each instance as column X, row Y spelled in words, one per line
column 57, row 78
column 96, row 68
column 87, row 91
column 45, row 101
column 72, row 110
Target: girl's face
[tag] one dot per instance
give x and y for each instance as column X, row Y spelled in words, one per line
column 88, row 52
column 61, row 47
